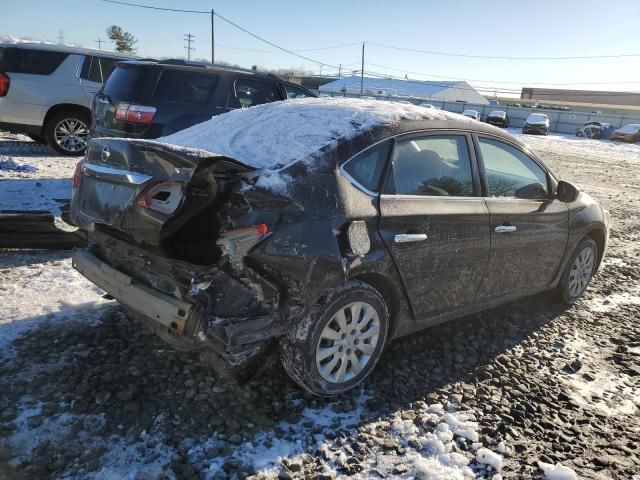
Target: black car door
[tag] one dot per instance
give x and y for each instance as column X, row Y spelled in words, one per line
column 434, row 221
column 529, row 228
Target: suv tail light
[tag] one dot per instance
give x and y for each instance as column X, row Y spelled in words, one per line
column 77, row 175
column 128, row 112
column 162, row 197
column 5, row 83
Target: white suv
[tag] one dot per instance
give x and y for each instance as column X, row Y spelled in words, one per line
column 46, row 91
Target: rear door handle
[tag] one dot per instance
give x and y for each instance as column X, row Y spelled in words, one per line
column 505, row 228
column 410, row 237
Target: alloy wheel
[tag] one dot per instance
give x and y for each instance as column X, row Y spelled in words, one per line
column 347, row 342
column 581, row 271
column 71, row 134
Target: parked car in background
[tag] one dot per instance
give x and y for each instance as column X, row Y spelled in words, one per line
column 325, row 228
column 46, row 91
column 499, row 118
column 472, row 114
column 426, row 105
column 150, row 99
column 536, row 124
column 494, row 103
column 595, row 130
column 628, row 133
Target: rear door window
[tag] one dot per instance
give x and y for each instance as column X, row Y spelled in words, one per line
column 107, row 65
column 35, row 62
column 435, row 165
column 248, row 92
column 185, row 87
column 91, row 69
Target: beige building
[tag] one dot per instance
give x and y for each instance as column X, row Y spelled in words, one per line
column 560, row 96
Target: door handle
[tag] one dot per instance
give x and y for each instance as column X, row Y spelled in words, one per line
column 410, row 237
column 505, row 228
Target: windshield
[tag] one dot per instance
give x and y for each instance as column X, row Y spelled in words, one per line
column 537, row 118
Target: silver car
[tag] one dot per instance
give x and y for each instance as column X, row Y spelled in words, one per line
column 46, row 91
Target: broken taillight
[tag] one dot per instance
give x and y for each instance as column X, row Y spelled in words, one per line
column 5, row 83
column 237, row 242
column 128, row 112
column 162, row 197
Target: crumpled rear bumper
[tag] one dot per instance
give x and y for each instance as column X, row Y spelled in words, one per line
column 237, row 340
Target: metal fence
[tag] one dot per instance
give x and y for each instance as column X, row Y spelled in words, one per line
column 560, row 121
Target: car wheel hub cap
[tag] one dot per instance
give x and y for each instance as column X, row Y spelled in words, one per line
column 347, row 342
column 71, row 134
column 581, row 271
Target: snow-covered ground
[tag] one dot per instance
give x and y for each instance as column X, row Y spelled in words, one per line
column 525, row 391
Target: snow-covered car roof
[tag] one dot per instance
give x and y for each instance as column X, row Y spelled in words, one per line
column 276, row 134
column 8, row 41
column 535, row 118
column 629, row 129
column 498, row 113
column 473, row 112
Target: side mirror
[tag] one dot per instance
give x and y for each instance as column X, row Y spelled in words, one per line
column 566, row 192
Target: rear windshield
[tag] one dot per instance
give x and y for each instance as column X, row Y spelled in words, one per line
column 185, row 87
column 126, row 80
column 35, row 62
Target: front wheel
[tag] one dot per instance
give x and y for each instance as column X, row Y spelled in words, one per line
column 579, row 271
column 338, row 343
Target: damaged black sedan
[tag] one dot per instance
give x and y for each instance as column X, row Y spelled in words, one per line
column 323, row 229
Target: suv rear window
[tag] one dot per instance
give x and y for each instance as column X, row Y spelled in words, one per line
column 35, row 62
column 125, row 80
column 185, row 87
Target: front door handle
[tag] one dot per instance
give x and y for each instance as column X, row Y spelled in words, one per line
column 505, row 228
column 410, row 237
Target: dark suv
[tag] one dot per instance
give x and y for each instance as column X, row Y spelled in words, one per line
column 149, row 99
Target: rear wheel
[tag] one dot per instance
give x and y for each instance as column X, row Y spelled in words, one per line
column 579, row 271
column 339, row 342
column 67, row 132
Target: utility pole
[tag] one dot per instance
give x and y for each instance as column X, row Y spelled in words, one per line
column 188, row 38
column 99, row 42
column 213, row 38
column 362, row 72
column 61, row 37
column 321, row 65
column 340, row 71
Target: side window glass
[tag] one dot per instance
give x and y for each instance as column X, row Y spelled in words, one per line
column 366, row 167
column 247, row 93
column 185, row 87
column 510, row 172
column 86, row 66
column 295, row 92
column 91, row 69
column 107, row 65
column 437, row 165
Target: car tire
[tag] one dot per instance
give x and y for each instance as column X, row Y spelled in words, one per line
column 579, row 271
column 67, row 132
column 324, row 352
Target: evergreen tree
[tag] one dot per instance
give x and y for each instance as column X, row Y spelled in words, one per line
column 125, row 41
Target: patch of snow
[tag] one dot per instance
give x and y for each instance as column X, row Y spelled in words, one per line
column 613, row 301
column 487, row 457
column 557, row 471
column 63, row 295
column 630, row 129
column 277, row 134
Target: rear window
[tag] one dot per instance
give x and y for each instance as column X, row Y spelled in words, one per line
column 185, row 87
column 35, row 62
column 125, row 80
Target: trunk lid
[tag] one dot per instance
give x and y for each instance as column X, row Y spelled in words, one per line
column 145, row 191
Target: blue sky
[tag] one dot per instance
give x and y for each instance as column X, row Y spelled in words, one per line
column 488, row 27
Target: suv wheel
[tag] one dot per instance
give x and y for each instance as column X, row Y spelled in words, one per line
column 579, row 271
column 339, row 342
column 67, row 132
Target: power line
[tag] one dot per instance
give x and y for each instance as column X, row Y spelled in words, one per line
column 497, row 57
column 496, row 81
column 151, row 7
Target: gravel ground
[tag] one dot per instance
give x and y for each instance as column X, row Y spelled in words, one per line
column 510, row 393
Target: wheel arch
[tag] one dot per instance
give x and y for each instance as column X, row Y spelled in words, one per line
column 389, row 292
column 599, row 236
column 66, row 107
